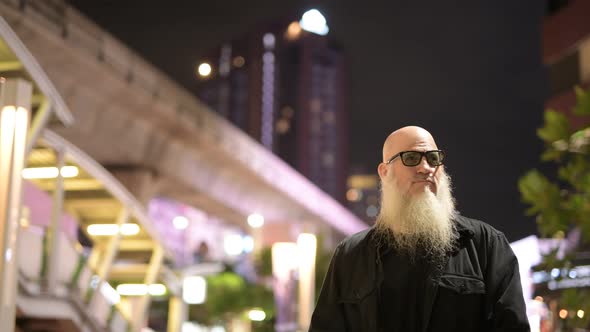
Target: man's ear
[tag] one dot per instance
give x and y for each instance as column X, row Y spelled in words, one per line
column 382, row 170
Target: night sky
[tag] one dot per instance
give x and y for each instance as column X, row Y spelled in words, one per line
column 468, row 71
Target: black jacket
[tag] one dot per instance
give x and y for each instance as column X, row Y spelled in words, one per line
column 479, row 289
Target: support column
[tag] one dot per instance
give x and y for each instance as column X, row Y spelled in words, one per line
column 306, row 245
column 104, row 267
column 54, row 230
column 15, row 103
column 38, row 123
column 177, row 314
column 151, row 277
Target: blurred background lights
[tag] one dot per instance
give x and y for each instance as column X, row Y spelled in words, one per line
column 204, row 69
column 372, row 211
column 313, row 21
column 238, row 61
column 562, row 313
column 180, row 222
column 256, row 315
column 580, row 313
column 255, row 220
column 248, row 243
column 194, row 290
column 293, row 31
column 354, row 195
column 233, row 244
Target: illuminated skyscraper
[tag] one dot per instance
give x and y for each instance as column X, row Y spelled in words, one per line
column 286, row 87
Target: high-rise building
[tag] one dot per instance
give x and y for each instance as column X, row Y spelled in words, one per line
column 286, row 87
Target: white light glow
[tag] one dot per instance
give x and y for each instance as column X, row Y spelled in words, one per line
column 129, row 229
column 180, row 222
column 233, row 244
column 256, row 315
column 313, row 21
column 204, row 69
column 217, row 329
column 580, row 313
column 255, row 220
column 141, row 289
column 156, row 289
column 49, row 172
column 132, row 289
column 102, row 229
column 248, row 243
column 110, row 293
column 194, row 290
column 112, row 229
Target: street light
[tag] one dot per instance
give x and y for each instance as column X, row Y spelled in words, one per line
column 313, row 21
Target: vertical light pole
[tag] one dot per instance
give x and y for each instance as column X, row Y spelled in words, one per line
column 306, row 245
column 15, row 103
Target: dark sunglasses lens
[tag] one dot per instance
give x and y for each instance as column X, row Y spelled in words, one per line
column 434, row 158
column 411, row 158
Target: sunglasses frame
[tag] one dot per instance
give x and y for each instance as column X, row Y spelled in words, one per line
column 422, row 155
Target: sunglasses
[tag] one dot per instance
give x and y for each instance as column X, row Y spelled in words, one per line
column 414, row 158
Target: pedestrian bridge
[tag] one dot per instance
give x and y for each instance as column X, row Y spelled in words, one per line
column 144, row 150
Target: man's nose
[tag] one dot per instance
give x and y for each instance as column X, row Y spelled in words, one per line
column 424, row 167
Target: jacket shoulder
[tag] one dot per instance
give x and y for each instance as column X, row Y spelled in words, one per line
column 354, row 242
column 476, row 227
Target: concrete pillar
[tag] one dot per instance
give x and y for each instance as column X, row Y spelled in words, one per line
column 15, row 104
column 151, row 277
column 177, row 314
column 104, row 267
column 54, row 230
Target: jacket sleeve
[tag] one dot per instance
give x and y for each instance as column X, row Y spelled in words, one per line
column 328, row 315
column 506, row 303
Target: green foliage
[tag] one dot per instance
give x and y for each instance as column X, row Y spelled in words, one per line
column 228, row 294
column 563, row 204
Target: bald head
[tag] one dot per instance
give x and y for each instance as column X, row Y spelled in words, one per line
column 404, row 138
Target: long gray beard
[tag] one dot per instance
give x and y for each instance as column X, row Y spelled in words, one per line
column 418, row 226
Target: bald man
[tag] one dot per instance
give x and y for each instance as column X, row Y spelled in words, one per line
column 422, row 267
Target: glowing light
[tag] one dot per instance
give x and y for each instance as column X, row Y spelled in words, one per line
column 238, row 61
column 204, row 69
column 555, row 273
column 194, row 290
column 268, row 40
column 256, row 315
column 293, row 31
column 49, row 172
column 141, row 289
column 112, row 229
column 580, row 313
column 562, row 313
column 255, row 220
column 156, row 289
column 180, row 222
column 102, row 229
column 248, row 243
column 313, row 21
column 372, row 211
column 233, row 244
column 132, row 289
column 539, row 299
column 354, row 195
column 110, row 293
column 129, row 229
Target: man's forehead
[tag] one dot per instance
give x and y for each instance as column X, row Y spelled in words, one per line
column 404, row 140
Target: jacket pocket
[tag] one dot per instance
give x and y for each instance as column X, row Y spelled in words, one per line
column 356, row 295
column 462, row 284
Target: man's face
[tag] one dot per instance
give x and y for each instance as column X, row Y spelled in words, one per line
column 413, row 180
